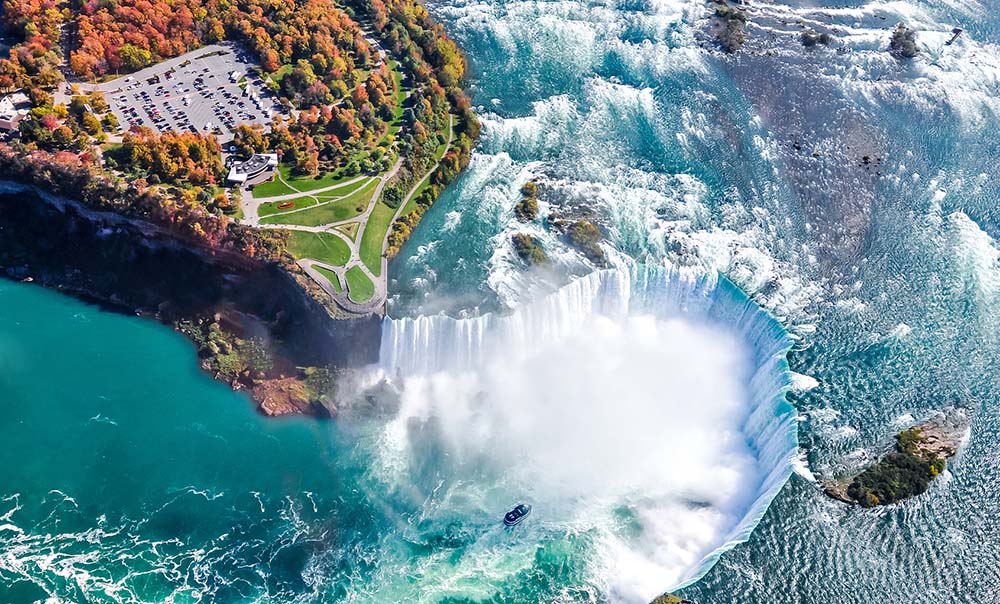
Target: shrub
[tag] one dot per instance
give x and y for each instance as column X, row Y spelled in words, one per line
column 528, row 249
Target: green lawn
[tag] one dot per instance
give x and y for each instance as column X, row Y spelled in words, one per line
column 332, row 276
column 333, row 211
column 374, row 235
column 271, row 207
column 308, row 183
column 325, row 247
column 284, row 70
column 298, row 184
column 359, row 287
column 275, row 187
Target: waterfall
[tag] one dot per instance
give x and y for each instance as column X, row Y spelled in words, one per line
column 414, row 348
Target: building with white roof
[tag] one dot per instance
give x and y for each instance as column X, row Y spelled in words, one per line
column 259, row 163
column 13, row 109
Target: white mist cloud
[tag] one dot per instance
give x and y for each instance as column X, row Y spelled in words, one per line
column 627, row 427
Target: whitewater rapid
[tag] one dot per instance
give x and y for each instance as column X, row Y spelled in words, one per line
column 643, row 408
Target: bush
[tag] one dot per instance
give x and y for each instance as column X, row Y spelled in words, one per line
column 526, row 210
column 903, row 473
column 528, row 249
column 586, row 237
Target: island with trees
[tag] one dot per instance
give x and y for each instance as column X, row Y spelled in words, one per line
column 920, row 454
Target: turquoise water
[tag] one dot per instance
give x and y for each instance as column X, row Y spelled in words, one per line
column 753, row 165
column 130, row 476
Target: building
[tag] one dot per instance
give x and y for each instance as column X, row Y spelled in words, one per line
column 258, row 164
column 13, row 109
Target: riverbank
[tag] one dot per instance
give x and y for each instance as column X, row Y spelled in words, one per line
column 255, row 325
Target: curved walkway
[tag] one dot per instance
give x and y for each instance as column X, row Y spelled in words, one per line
column 377, row 302
column 413, row 190
column 252, row 205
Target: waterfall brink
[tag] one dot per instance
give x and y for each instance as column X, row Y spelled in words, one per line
column 763, row 422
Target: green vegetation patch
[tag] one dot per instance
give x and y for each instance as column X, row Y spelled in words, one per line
column 526, row 210
column 333, row 211
column 529, row 249
column 325, row 247
column 307, row 183
column 332, row 276
column 586, row 237
column 275, row 207
column 411, row 203
column 374, row 236
column 303, row 184
column 360, row 287
column 276, row 186
column 903, row 473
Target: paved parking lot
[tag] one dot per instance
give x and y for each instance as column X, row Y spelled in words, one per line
column 207, row 90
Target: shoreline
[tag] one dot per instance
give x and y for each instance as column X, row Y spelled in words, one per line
column 219, row 292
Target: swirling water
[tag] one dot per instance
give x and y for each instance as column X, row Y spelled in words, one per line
column 128, row 476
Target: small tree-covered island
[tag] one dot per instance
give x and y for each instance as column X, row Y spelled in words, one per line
column 172, row 158
column 920, row 454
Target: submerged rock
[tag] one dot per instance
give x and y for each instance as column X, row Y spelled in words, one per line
column 811, row 38
column 920, row 455
column 729, row 25
column 904, row 43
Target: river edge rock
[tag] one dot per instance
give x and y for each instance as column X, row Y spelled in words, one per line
column 934, row 441
column 133, row 267
column 670, row 599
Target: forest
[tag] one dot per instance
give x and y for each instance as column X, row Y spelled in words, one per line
column 312, row 52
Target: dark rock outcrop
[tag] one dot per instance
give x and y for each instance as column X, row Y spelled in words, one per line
column 904, row 43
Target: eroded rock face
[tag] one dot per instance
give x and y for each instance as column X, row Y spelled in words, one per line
column 222, row 302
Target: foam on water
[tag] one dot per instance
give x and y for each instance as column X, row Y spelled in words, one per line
column 644, row 408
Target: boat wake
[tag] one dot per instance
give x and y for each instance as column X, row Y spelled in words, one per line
column 640, row 411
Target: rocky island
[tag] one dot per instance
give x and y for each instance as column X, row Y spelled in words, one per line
column 920, row 454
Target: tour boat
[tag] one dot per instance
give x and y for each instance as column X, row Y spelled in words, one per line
column 516, row 515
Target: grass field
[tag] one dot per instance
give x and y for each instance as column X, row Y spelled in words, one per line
column 271, row 207
column 325, row 247
column 374, row 235
column 275, row 187
column 333, row 211
column 332, row 276
column 359, row 287
column 297, row 184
